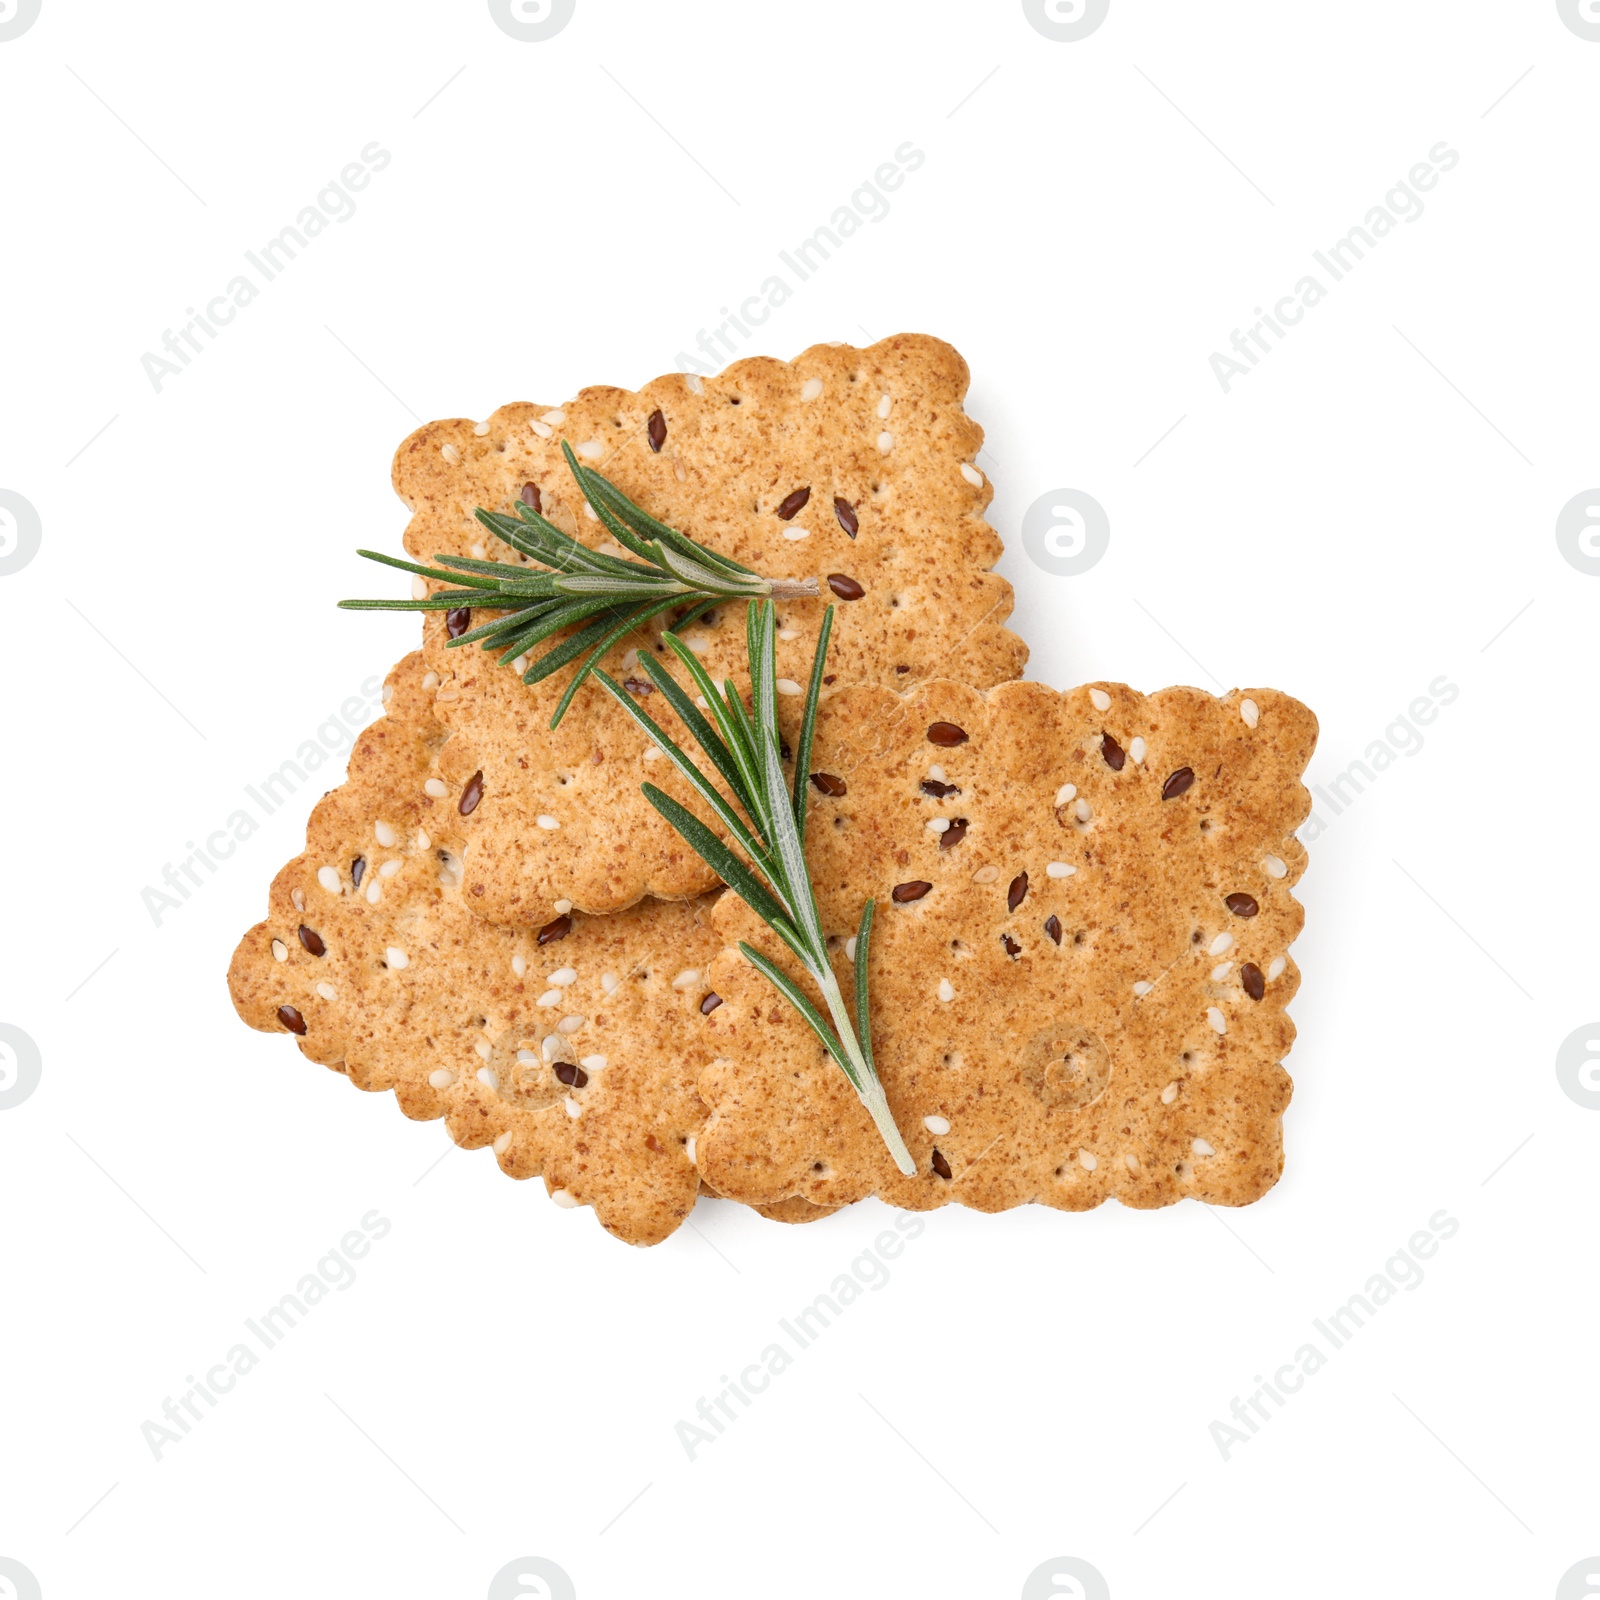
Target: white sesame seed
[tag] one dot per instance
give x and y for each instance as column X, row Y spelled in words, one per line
column 687, row 978
column 1169, row 1094
column 551, row 997
column 1088, row 1160
column 388, row 693
column 1201, row 1148
column 484, row 1048
column 937, row 774
column 389, row 868
column 550, row 1047
column 543, row 429
column 788, row 633
column 1130, row 1161
column 562, row 976
column 986, row 874
column 590, row 512
column 329, row 879
column 488, row 1078
column 1137, row 749
column 280, row 951
column 1082, row 810
column 451, row 454
column 946, row 990
column 573, row 1108
column 936, row 1125
column 1276, row 969
column 1221, row 971
column 1216, row 1019
column 570, row 1024
column 788, row 686
column 850, row 948
column 430, row 680
column 1143, row 987
column 701, row 701
column 1059, row 869
column 938, row 824
column 690, row 1151
column 526, row 1058
column 480, row 428
column 519, row 965
column 591, row 449
column 374, row 892
column 520, row 665
column 1250, row 711
column 609, row 981
column 972, row 475
column 810, row 389
column 436, row 788
column 563, row 907
column 384, row 834
column 1100, row 700
column 441, row 1077
column 396, row 957
column 1221, row 944
column 548, row 823
column 885, row 404
column 419, row 588
column 885, row 442
column 327, row 991
column 423, row 841
column 564, row 1199
column 1067, row 791
column 593, row 1063
column 796, row 533
column 502, row 1144
column 1276, row 867
column 298, row 899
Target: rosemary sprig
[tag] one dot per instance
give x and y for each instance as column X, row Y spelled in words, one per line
column 603, row 597
column 744, row 747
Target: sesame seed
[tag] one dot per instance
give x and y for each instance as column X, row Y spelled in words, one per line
column 593, row 1063
column 1100, row 700
column 441, row 1077
column 590, row 512
column 570, row 1024
column 946, row 990
column 556, row 416
column 1276, row 969
column 484, row 1048
column 885, row 442
column 850, row 948
column 389, row 868
column 562, row 1197
column 419, row 588
column 451, row 454
column 1276, row 867
column 591, row 449
column 430, row 680
column 1059, row 869
column 548, row 823
column 298, row 899
column 519, row 965
column 1082, row 810
column 520, row 665
column 488, row 1078
column 1088, row 1160
column 938, row 824
column 1221, row 971
column 423, row 841
column 1201, row 1148
column 502, row 1144
column 972, row 475
column 374, row 892
column 1067, row 791
column 609, row 981
column 396, row 957
column 936, row 774
column 1130, row 1161
column 693, row 382
column 550, row 1046
column 329, row 879
column 562, row 976
column 543, row 429
column 563, row 907
column 986, row 875
column 384, row 834
column 1169, row 1094
column 690, row 1151
column 526, row 1058
column 573, row 1108
column 885, row 405
column 810, row 389
column 1137, row 749
column 1222, row 944
column 1216, row 1019
column 788, row 686
column 1143, row 987
column 551, row 997
column 436, row 788
column 796, row 534
column 388, row 693
column 937, row 1125
column 327, row 991
column 687, row 978
column 480, row 428
column 1250, row 711
column 280, row 951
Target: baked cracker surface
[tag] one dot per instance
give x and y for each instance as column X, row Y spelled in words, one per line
column 1078, row 973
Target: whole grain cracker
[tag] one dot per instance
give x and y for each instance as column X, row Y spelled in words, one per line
column 1078, row 966
column 372, row 958
column 879, row 439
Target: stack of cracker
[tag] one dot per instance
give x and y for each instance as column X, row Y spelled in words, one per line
column 1080, row 959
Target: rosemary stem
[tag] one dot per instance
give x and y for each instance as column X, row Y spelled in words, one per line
column 793, row 588
column 869, row 1086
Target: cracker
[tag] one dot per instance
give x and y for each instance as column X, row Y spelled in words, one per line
column 1111, row 1025
column 561, row 816
column 410, row 992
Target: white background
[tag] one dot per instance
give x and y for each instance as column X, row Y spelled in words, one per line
column 1373, row 507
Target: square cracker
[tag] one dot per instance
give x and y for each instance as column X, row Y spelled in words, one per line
column 880, row 430
column 392, row 981
column 1078, row 991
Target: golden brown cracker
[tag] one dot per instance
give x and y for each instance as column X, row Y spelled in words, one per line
column 879, row 441
column 1078, row 982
